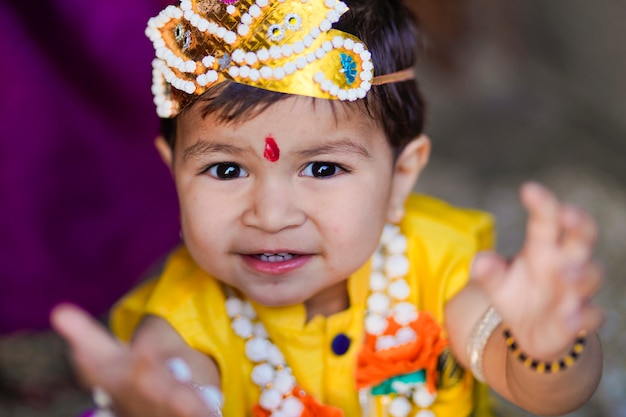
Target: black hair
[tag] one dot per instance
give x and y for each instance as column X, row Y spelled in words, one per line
column 391, row 34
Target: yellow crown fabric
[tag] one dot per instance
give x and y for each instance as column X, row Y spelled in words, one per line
column 280, row 45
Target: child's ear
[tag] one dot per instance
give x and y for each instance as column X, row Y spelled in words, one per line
column 164, row 150
column 409, row 165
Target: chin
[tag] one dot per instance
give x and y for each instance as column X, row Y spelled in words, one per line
column 276, row 297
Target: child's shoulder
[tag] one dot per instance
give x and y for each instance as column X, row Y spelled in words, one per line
column 434, row 219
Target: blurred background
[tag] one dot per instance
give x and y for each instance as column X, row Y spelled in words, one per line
column 517, row 90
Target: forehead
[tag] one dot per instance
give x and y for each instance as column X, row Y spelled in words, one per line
column 295, row 116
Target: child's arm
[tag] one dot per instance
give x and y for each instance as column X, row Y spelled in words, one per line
column 137, row 377
column 543, row 297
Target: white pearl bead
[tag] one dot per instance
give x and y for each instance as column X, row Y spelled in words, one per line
column 298, row 47
column 275, row 51
column 275, row 356
column 284, row 382
column 290, row 68
column 333, row 16
column 375, row 324
column 325, row 25
column 238, row 55
column 386, row 342
column 358, row 48
column 262, row 374
column 246, row 18
column 242, row 327
column 251, row 58
column 259, row 330
column 400, row 387
column 326, row 85
column 330, row 3
column 397, row 245
column 396, row 266
column 248, row 310
column 378, row 302
column 337, row 41
column 378, row 282
column 244, row 71
column 233, row 72
column 399, row 290
column 422, row 397
column 255, row 75
column 270, row 399
column 263, row 54
column 406, row 335
column 292, row 407
column 279, row 73
column 230, row 37
column 425, row 413
column 231, row 9
column 243, row 30
column 261, row 3
column 404, row 313
column 211, row 76
column 335, row 90
column 266, row 72
column 315, row 32
column 287, row 51
column 257, row 349
column 343, row 95
column 400, row 407
column 203, row 25
column 255, row 11
column 301, row 62
column 348, row 44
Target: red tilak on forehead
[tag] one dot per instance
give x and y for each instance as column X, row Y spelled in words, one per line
column 272, row 151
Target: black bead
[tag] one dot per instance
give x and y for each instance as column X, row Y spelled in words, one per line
column 340, row 344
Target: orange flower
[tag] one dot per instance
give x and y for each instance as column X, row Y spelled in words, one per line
column 311, row 407
column 375, row 367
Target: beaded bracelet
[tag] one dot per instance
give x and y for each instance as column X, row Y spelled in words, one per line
column 546, row 366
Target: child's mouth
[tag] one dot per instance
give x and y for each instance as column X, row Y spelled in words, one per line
column 275, row 257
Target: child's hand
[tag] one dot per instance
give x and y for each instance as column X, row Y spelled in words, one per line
column 544, row 294
column 139, row 382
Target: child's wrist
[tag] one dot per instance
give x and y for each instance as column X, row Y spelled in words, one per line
column 553, row 364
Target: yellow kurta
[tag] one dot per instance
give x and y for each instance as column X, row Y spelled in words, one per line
column 441, row 243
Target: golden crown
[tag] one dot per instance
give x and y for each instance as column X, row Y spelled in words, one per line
column 280, row 45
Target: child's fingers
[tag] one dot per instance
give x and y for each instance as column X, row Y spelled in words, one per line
column 543, row 227
column 588, row 319
column 92, row 347
column 580, row 234
column 585, row 280
column 489, row 270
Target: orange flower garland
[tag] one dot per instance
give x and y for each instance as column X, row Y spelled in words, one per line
column 374, row 367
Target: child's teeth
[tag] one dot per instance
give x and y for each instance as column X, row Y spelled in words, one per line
column 276, row 257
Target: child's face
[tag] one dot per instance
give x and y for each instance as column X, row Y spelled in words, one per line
column 287, row 205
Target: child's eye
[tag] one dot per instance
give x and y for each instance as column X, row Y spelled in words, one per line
column 321, row 170
column 226, row 171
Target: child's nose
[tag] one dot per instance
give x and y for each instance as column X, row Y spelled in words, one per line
column 273, row 207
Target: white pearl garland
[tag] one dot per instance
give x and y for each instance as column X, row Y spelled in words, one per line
column 386, row 300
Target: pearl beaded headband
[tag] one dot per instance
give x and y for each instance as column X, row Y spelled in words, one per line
column 279, row 45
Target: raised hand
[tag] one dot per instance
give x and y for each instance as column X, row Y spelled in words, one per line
column 139, row 381
column 544, row 293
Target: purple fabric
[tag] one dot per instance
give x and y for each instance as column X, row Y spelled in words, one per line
column 87, row 207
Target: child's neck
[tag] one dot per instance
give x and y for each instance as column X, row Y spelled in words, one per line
column 329, row 301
